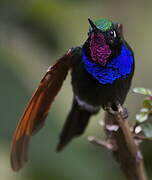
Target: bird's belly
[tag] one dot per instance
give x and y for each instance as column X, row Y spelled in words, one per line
column 90, row 91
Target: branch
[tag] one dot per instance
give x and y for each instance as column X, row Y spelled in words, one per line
column 127, row 152
column 99, row 142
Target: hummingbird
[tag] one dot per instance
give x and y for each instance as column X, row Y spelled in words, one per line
column 101, row 69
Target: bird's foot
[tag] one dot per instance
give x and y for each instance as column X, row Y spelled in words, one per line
column 123, row 111
column 117, row 109
column 110, row 110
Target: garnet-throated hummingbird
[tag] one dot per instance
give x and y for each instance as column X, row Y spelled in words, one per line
column 102, row 70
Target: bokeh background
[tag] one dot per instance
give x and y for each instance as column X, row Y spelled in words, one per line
column 33, row 34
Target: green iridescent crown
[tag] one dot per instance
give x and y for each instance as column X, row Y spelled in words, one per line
column 102, row 24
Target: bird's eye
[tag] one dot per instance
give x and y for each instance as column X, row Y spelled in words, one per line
column 113, row 33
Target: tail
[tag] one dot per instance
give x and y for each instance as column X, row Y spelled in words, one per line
column 75, row 124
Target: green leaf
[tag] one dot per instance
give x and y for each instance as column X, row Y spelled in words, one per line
column 138, row 129
column 144, row 110
column 147, row 103
column 147, row 129
column 141, row 117
column 143, row 91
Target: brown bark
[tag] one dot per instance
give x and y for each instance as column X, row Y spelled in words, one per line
column 120, row 140
column 127, row 152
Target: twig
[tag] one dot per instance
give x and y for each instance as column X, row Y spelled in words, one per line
column 127, row 153
column 102, row 143
column 142, row 138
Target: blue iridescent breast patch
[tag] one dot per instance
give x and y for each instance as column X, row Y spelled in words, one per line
column 119, row 67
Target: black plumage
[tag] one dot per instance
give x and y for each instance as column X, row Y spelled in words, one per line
column 90, row 92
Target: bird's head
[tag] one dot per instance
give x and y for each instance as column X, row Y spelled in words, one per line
column 104, row 40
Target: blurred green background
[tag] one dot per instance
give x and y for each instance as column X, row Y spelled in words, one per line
column 33, row 34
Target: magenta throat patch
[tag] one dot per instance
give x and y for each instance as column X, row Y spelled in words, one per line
column 100, row 51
